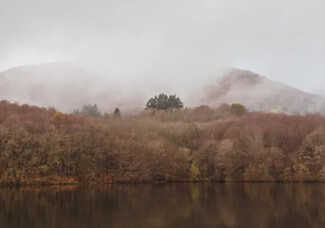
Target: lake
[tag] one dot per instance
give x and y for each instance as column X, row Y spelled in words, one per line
column 165, row 205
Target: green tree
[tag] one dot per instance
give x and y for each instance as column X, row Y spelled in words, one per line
column 175, row 102
column 117, row 112
column 89, row 110
column 152, row 103
column 165, row 102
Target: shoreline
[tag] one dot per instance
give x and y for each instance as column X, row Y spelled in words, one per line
column 79, row 183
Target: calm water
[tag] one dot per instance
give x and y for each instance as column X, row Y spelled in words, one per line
column 165, row 205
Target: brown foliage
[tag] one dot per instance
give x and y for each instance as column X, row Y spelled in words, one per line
column 199, row 144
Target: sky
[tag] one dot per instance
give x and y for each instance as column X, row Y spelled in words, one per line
column 173, row 42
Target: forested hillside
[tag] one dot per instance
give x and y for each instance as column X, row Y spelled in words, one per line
column 43, row 146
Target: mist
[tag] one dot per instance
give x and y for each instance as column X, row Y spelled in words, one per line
column 131, row 50
column 259, row 93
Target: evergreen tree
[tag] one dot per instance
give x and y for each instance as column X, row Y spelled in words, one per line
column 165, row 102
column 88, row 109
column 175, row 102
column 117, row 112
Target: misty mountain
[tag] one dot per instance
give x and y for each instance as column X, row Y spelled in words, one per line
column 259, row 93
column 65, row 87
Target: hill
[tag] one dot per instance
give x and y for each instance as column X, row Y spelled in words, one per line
column 259, row 93
column 65, row 87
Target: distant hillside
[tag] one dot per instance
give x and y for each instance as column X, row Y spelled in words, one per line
column 67, row 87
column 64, row 87
column 259, row 93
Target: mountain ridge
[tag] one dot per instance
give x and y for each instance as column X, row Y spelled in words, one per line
column 67, row 87
column 259, row 93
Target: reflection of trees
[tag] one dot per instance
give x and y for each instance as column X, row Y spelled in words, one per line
column 171, row 205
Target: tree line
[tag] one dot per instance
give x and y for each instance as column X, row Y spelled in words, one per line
column 39, row 145
column 158, row 102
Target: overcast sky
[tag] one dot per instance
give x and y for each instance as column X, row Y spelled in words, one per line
column 178, row 40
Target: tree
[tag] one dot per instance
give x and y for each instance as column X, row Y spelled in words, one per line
column 152, row 103
column 238, row 109
column 312, row 152
column 165, row 102
column 117, row 112
column 88, row 109
column 175, row 102
column 297, row 172
column 257, row 172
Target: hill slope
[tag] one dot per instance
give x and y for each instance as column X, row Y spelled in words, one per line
column 64, row 87
column 259, row 93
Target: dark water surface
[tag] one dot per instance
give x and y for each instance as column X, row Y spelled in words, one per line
column 165, row 205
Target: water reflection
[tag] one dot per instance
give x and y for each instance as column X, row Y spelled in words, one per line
column 171, row 205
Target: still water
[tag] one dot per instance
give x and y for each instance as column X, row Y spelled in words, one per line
column 164, row 205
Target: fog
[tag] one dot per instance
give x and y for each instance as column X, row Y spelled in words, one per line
column 258, row 93
column 172, row 45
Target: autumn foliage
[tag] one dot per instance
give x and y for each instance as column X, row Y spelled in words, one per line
column 43, row 146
